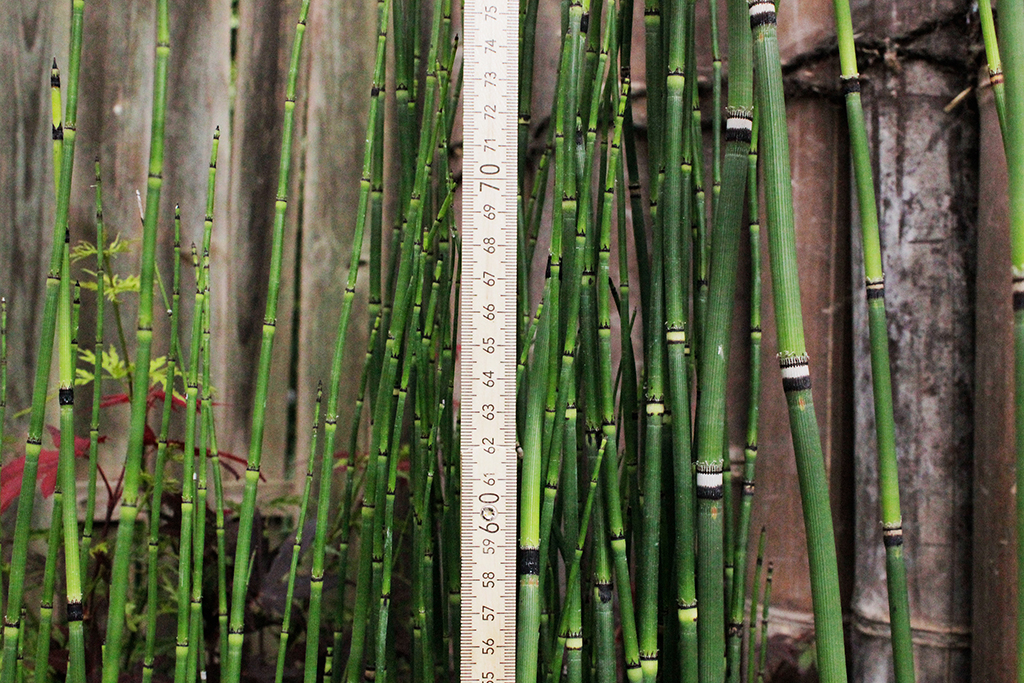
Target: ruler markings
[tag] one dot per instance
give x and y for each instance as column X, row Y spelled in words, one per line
column 488, row 341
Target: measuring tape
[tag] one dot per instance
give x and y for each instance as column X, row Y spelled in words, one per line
column 488, row 341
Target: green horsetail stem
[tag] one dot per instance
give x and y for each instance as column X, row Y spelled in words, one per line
column 286, row 619
column 737, row 597
column 885, row 428
column 793, row 360
column 66, row 334
column 144, row 336
column 610, row 477
column 752, row 628
column 33, row 442
column 370, row 152
column 194, row 660
column 97, row 392
column 677, row 260
column 1011, row 37
column 763, row 648
column 995, row 64
column 206, row 430
column 715, row 346
column 55, row 537
column 53, row 541
column 189, row 478
column 153, row 545
column 370, row 561
column 233, row 660
column 222, row 581
column 568, row 638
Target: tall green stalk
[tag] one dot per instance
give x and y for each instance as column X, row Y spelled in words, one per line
column 144, row 338
column 1011, row 37
column 153, row 544
column 189, row 479
column 33, row 442
column 233, row 659
column 373, row 144
column 677, row 253
column 97, row 391
column 885, row 429
column 995, row 64
column 66, row 332
column 793, row 360
column 300, row 523
column 714, row 351
column 737, row 597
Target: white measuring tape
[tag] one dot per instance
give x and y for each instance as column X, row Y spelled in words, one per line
column 488, row 341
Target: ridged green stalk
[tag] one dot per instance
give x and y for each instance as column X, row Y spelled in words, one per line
column 232, row 662
column 97, row 392
column 752, row 628
column 674, row 213
column 144, row 338
column 33, row 442
column 885, row 429
column 714, row 352
column 793, row 360
column 300, row 523
column 66, row 334
column 153, row 545
column 189, row 479
column 737, row 597
column 995, row 64
column 373, row 144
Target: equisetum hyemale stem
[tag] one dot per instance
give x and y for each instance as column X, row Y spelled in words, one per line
column 793, row 359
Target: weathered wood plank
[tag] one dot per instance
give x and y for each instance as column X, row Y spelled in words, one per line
column 993, row 651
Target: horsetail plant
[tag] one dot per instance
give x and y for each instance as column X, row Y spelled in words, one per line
column 674, row 214
column 144, row 339
column 300, row 523
column 737, row 597
column 373, row 143
column 233, row 659
column 793, row 359
column 66, row 332
column 885, row 429
column 153, row 543
column 33, row 443
column 97, row 393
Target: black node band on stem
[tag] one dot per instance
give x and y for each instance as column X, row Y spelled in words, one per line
column 851, row 84
column 58, row 132
column 1018, row 293
column 796, row 374
column 604, row 593
column 75, row 612
column 529, row 561
column 892, row 535
column 585, row 22
column 66, row 397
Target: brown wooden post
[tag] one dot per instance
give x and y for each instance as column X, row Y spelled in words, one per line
column 993, row 651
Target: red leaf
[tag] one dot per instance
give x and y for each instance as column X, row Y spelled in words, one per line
column 13, row 472
column 81, row 443
column 113, row 400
